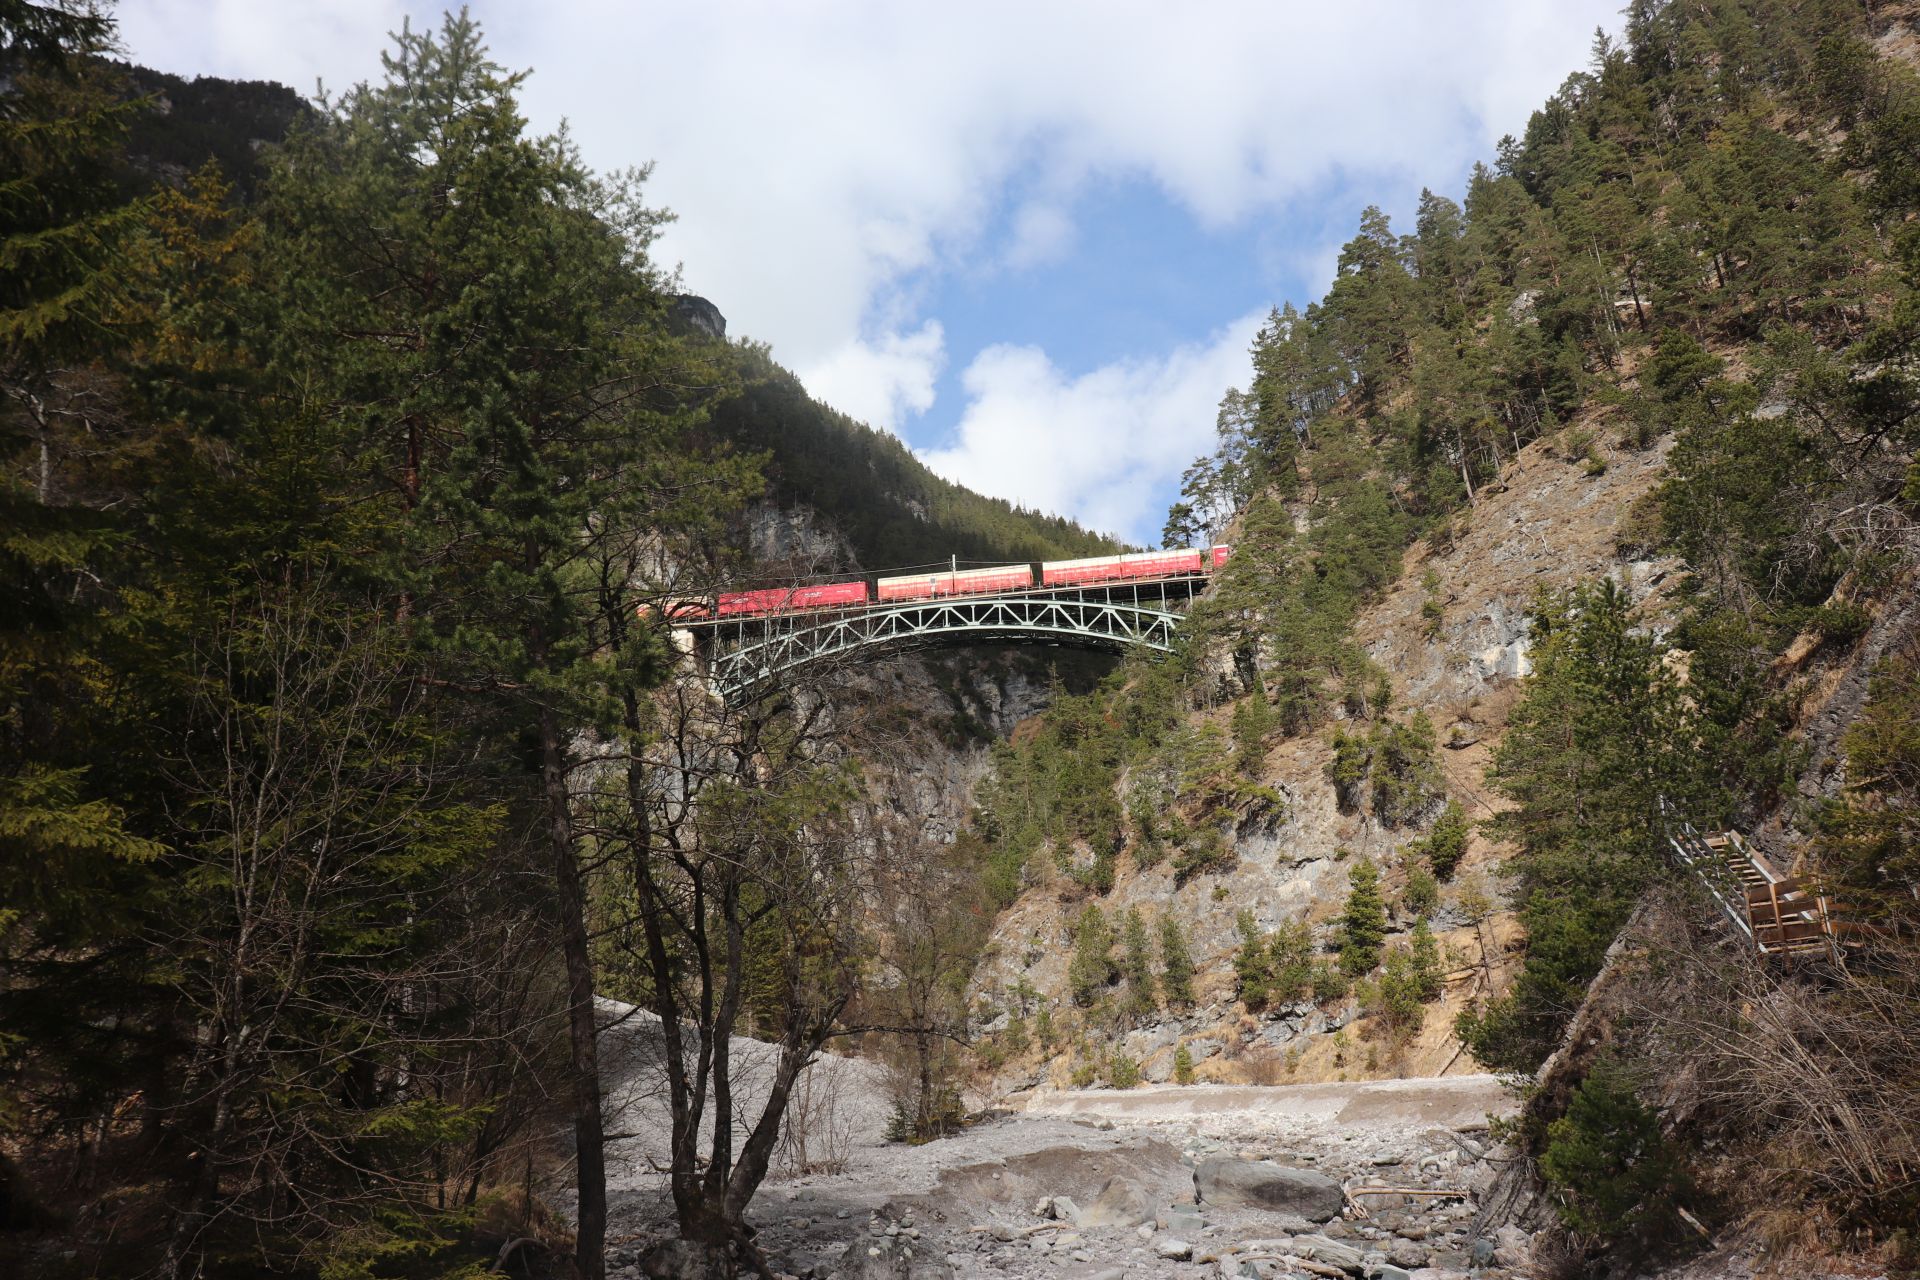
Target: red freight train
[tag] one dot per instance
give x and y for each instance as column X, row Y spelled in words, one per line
column 773, row 601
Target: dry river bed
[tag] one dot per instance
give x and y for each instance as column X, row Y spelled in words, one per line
column 1168, row 1181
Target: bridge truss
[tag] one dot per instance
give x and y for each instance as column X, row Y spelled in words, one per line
column 745, row 658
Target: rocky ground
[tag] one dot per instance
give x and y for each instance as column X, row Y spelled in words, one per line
column 1376, row 1179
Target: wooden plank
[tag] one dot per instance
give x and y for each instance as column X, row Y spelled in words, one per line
column 1781, row 934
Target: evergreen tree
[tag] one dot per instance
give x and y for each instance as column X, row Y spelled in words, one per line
column 1176, row 962
column 1137, row 966
column 1290, row 961
column 1253, row 723
column 1611, row 1169
column 1446, row 844
column 1250, row 962
column 1598, row 740
column 1090, row 971
column 1423, row 951
column 1363, row 923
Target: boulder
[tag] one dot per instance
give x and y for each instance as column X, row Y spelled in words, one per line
column 890, row 1259
column 1169, row 1247
column 1513, row 1248
column 1405, row 1253
column 1181, row 1220
column 1262, row 1184
column 1121, row 1203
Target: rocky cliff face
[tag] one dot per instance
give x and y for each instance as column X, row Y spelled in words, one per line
column 690, row 313
column 1548, row 522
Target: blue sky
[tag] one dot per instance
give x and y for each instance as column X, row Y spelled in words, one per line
column 1033, row 239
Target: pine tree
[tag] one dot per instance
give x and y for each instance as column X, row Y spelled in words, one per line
column 495, row 348
column 1424, row 951
column 1250, row 962
column 1363, row 924
column 1176, row 962
column 1090, row 971
column 1137, row 966
column 1253, row 723
column 1599, row 738
column 1290, row 962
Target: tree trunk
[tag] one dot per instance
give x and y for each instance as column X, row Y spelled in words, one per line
column 590, row 1164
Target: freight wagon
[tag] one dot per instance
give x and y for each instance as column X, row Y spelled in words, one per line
column 1141, row 564
column 965, row 582
column 827, row 595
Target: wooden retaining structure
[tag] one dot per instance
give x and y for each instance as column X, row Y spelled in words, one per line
column 1779, row 914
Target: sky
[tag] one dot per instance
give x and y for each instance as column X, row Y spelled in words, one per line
column 1032, row 239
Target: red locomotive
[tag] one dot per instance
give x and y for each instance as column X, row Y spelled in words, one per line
column 1139, row 566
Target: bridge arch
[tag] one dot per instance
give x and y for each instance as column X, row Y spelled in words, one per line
column 743, row 663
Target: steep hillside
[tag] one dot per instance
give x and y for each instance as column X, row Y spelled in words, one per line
column 1583, row 510
column 1545, row 522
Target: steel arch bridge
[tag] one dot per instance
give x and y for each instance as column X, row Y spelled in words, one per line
column 746, row 658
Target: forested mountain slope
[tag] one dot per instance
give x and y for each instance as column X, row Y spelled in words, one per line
column 1586, row 507
column 861, row 485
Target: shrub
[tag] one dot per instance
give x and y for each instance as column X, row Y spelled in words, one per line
column 1014, row 1038
column 1329, row 983
column 1182, row 1066
column 1841, row 622
column 1611, row 1171
column 1123, row 1072
column 1206, row 851
column 1423, row 891
column 1446, row 844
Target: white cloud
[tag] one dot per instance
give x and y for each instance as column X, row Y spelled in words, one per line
column 816, row 153
column 883, row 381
column 1098, row 446
column 828, row 160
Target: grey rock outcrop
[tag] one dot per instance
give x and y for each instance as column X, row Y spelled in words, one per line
column 690, row 313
